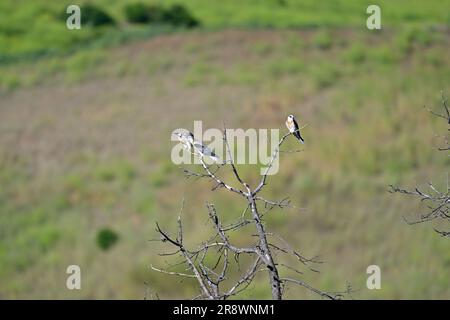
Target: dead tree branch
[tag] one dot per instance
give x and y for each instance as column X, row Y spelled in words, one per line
column 437, row 201
column 215, row 279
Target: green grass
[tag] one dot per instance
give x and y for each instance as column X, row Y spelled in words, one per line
column 363, row 136
column 31, row 30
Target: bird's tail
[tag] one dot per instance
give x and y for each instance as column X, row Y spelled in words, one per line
column 299, row 137
column 214, row 157
column 211, row 154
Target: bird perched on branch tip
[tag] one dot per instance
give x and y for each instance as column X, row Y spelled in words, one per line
column 293, row 128
column 190, row 144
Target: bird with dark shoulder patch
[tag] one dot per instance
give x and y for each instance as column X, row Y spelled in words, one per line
column 293, row 128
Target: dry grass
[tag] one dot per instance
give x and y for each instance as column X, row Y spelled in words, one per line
column 88, row 146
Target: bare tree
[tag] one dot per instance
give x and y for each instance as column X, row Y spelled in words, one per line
column 212, row 279
column 437, row 201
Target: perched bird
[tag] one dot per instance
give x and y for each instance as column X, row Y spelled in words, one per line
column 201, row 149
column 190, row 144
column 292, row 126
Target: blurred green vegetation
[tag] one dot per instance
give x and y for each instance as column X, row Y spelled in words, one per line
column 93, row 16
column 86, row 117
column 106, row 238
column 31, row 29
column 176, row 15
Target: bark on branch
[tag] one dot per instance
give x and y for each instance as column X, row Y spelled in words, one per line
column 214, row 279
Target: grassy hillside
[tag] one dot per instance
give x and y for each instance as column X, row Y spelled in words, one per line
column 30, row 29
column 84, row 144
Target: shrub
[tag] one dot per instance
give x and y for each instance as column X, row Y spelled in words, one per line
column 178, row 15
column 141, row 13
column 136, row 13
column 95, row 16
column 155, row 14
column 106, row 238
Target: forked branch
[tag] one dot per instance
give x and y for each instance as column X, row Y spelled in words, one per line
column 215, row 278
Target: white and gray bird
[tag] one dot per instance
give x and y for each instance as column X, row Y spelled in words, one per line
column 292, row 126
column 201, row 149
column 190, row 144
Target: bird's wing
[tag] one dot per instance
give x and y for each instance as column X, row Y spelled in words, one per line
column 200, row 147
column 296, row 131
column 204, row 150
column 295, row 124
